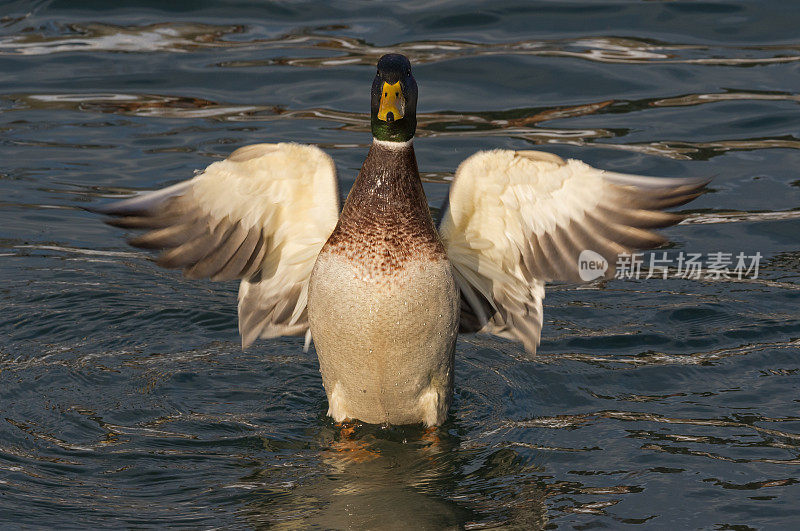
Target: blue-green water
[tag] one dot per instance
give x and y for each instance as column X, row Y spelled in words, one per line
column 126, row 401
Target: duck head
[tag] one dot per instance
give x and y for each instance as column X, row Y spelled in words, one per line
column 394, row 100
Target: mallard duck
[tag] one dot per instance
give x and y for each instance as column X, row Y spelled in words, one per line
column 380, row 289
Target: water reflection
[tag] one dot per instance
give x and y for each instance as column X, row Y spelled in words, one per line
column 94, row 37
column 347, row 50
column 372, row 477
column 523, row 123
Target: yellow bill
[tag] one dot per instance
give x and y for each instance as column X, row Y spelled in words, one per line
column 391, row 102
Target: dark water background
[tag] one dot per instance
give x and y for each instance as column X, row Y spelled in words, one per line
column 126, row 401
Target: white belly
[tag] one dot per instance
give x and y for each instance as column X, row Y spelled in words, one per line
column 385, row 344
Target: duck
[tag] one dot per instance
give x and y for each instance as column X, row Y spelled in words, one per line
column 380, row 289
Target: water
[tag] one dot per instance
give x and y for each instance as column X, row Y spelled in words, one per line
column 126, row 401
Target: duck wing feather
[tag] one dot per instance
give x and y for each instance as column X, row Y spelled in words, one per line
column 261, row 215
column 519, row 219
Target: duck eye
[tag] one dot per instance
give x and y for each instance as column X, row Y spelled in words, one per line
column 408, row 72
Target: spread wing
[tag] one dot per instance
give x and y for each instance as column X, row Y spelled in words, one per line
column 261, row 215
column 518, row 219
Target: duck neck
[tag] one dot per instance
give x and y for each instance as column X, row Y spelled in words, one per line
column 388, row 183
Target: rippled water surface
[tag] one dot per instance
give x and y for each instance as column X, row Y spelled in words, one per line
column 126, row 400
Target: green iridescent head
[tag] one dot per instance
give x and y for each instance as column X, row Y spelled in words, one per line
column 394, row 100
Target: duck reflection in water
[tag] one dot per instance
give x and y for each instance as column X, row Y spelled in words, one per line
column 382, row 477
